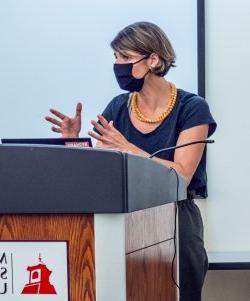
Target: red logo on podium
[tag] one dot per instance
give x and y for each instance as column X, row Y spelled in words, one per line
column 39, row 280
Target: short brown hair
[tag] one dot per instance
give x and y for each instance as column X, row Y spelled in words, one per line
column 146, row 38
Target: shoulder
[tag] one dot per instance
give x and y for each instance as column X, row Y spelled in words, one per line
column 117, row 104
column 119, row 100
column 194, row 110
column 188, row 100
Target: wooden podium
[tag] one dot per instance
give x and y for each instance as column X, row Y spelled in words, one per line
column 115, row 211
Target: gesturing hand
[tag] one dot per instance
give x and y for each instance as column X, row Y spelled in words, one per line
column 109, row 136
column 69, row 127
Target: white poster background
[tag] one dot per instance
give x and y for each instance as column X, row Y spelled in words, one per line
column 24, row 254
column 55, row 53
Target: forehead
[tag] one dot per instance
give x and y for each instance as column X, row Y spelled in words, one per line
column 129, row 53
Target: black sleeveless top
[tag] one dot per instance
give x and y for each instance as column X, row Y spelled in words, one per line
column 190, row 110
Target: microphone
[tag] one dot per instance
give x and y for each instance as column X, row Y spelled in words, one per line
column 179, row 146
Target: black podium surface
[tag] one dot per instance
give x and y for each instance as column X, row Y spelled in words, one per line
column 57, row 179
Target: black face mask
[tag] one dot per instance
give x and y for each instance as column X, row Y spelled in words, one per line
column 125, row 79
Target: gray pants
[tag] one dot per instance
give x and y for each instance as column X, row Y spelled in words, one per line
column 193, row 262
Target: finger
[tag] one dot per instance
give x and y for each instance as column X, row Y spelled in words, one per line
column 96, row 136
column 111, row 127
column 103, row 121
column 98, row 126
column 53, row 120
column 78, row 110
column 55, row 129
column 58, row 114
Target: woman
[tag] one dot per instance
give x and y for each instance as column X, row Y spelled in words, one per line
column 154, row 115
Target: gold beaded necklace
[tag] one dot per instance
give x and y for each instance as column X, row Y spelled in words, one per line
column 164, row 115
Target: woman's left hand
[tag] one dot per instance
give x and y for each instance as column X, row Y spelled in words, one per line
column 109, row 136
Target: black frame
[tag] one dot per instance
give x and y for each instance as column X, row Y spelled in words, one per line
column 201, row 47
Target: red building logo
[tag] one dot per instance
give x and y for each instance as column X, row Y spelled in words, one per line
column 39, row 280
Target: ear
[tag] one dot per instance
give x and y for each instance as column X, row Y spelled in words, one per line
column 153, row 60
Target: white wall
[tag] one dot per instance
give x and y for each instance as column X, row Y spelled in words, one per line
column 227, row 210
column 54, row 53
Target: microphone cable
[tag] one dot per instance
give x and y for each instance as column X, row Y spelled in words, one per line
column 179, row 146
column 177, row 196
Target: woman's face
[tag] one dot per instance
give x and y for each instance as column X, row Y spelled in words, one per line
column 140, row 68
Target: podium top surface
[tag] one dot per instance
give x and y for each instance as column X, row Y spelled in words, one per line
column 57, row 179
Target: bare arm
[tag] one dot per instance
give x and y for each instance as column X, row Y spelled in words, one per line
column 186, row 159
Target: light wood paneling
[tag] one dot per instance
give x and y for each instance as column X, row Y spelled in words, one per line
column 149, row 254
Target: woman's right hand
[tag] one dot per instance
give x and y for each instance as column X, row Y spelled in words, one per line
column 69, row 127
